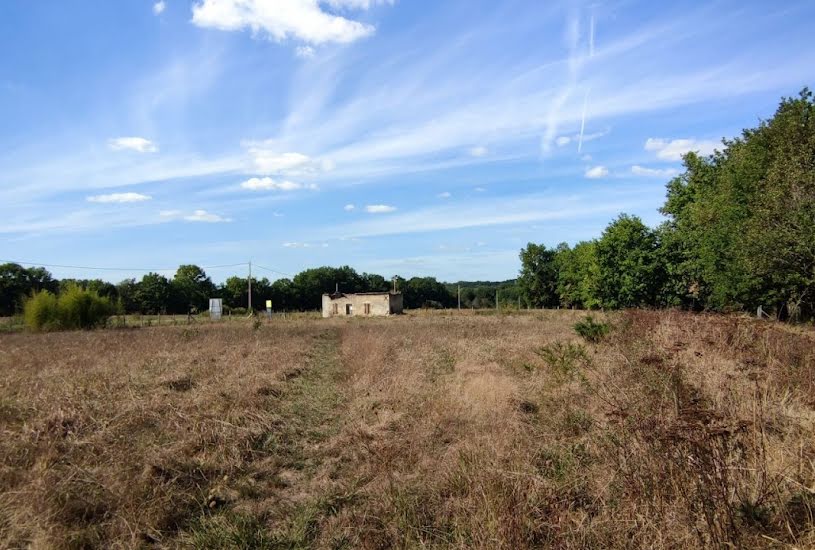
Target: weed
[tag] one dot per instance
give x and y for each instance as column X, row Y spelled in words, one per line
column 590, row 330
column 564, row 359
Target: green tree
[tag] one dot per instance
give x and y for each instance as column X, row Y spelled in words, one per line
column 538, row 279
column 311, row 284
column 127, row 291
column 153, row 294
column 629, row 273
column 13, row 288
column 17, row 282
column 425, row 292
column 234, row 292
column 578, row 275
column 191, row 289
column 742, row 222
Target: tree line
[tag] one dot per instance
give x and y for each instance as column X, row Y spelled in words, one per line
column 739, row 234
column 190, row 289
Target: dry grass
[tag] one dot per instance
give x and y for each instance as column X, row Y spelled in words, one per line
column 453, row 430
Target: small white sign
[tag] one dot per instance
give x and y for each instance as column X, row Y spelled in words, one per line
column 215, row 308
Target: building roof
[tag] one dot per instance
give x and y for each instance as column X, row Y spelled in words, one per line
column 335, row 295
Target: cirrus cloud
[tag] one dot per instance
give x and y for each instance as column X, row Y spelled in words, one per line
column 119, row 198
column 478, row 151
column 596, row 172
column 132, row 143
column 266, row 159
column 379, row 208
column 207, row 217
column 638, row 170
column 269, row 184
column 674, row 149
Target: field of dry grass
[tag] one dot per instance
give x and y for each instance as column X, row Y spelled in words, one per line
column 448, row 430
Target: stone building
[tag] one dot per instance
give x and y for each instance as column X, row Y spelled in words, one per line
column 365, row 304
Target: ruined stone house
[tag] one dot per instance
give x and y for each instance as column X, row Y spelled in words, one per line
column 365, row 304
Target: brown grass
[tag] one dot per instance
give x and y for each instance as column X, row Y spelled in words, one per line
column 431, row 430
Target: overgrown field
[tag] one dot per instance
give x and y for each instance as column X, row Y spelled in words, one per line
column 441, row 430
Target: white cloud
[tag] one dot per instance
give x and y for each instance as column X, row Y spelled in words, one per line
column 674, row 149
column 655, row 172
column 478, row 151
column 138, row 144
column 596, row 172
column 159, row 7
column 586, row 158
column 379, row 208
column 269, row 184
column 563, row 140
column 169, row 213
column 204, row 216
column 349, row 207
column 480, row 189
column 119, row 197
column 303, row 20
column 306, row 52
column 304, row 245
column 445, row 195
column 267, row 160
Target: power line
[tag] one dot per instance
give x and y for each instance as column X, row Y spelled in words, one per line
column 40, row 264
column 272, row 270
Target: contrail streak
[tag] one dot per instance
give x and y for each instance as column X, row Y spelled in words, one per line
column 583, row 121
column 591, row 37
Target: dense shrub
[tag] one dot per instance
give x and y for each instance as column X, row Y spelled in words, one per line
column 75, row 308
column 40, row 311
column 591, row 330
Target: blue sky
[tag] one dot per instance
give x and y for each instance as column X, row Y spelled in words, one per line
column 399, row 137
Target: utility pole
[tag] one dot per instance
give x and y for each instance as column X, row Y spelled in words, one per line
column 250, row 289
column 459, row 297
column 496, row 300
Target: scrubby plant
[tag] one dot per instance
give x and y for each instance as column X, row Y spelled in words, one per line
column 83, row 309
column 564, row 358
column 75, row 308
column 40, row 311
column 591, row 330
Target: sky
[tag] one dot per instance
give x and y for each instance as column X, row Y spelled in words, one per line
column 418, row 138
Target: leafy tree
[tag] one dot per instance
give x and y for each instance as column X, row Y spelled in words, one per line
column 13, row 288
column 191, row 289
column 234, row 292
column 538, row 279
column 17, row 282
column 127, row 291
column 742, row 222
column 374, row 283
column 283, row 295
column 311, row 284
column 628, row 268
column 425, row 292
column 578, row 275
column 153, row 294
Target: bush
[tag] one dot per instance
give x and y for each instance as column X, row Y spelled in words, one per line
column 40, row 311
column 590, row 330
column 75, row 308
